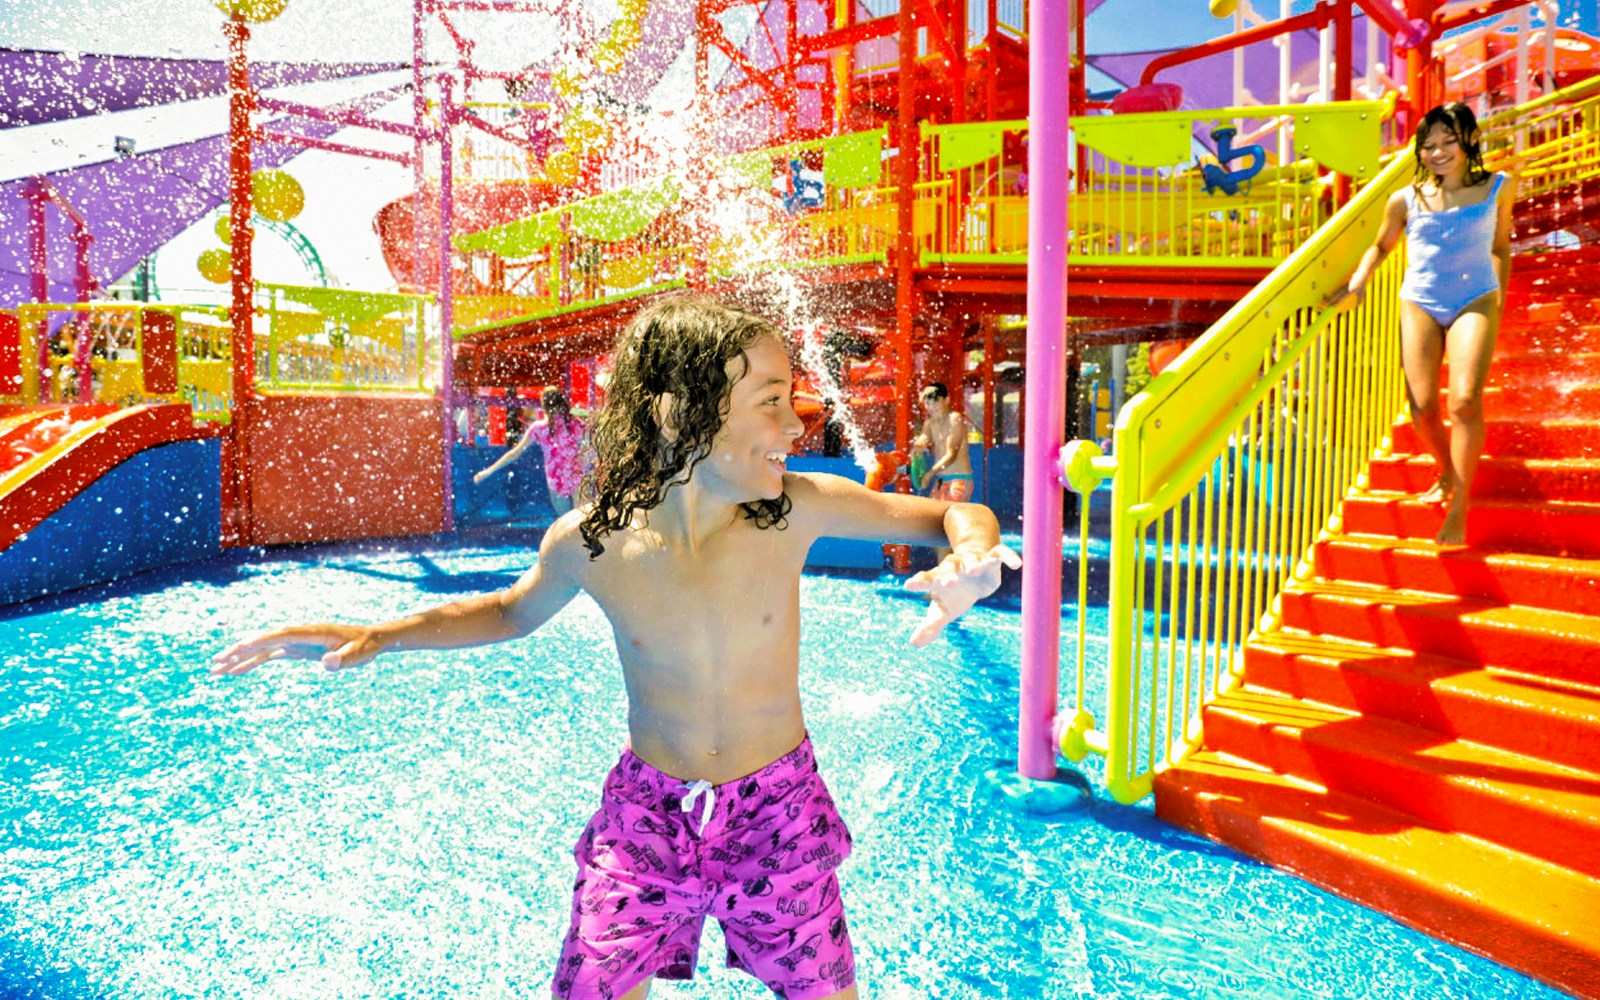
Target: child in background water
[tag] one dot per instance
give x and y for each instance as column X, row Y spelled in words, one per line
column 559, row 435
column 1457, row 220
column 692, row 542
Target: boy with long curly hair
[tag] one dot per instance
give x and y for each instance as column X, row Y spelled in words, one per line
column 692, row 538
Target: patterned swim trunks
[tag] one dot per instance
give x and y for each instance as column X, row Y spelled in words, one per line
column 759, row 854
column 955, row 488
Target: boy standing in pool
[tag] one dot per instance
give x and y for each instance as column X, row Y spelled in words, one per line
column 693, row 544
column 944, row 439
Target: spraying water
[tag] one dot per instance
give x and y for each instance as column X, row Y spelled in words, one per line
column 735, row 221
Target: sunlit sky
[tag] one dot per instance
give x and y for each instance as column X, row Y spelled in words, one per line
column 343, row 193
column 311, row 30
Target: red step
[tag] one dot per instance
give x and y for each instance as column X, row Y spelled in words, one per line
column 1533, row 915
column 1528, row 438
column 1419, row 729
column 1533, row 806
column 1551, row 644
column 1573, row 323
column 1527, row 479
column 1566, row 527
column 1570, row 399
column 1556, row 370
column 1494, row 706
column 1540, row 581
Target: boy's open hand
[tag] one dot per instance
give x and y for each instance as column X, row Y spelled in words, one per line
column 955, row 585
column 336, row 646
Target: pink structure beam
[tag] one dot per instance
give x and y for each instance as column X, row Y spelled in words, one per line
column 38, row 193
column 447, row 298
column 39, row 262
column 356, row 119
column 290, row 139
column 1049, row 167
column 494, row 130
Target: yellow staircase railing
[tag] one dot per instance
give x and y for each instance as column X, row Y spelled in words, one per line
column 1234, row 461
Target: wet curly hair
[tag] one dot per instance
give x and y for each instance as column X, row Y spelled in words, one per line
column 1461, row 123
column 693, row 348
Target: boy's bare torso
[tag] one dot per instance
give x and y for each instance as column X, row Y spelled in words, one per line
column 949, row 433
column 709, row 640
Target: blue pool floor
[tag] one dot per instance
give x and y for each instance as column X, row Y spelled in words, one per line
column 405, row 829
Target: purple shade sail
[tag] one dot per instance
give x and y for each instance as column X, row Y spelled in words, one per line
column 1208, row 82
column 136, row 204
column 666, row 29
column 38, row 86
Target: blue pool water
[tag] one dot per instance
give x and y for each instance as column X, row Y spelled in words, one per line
column 404, row 830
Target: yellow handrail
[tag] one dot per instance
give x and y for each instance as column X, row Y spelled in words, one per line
column 1233, row 462
column 117, row 361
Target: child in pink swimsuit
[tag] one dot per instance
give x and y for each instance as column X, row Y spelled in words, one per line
column 692, row 544
column 559, row 435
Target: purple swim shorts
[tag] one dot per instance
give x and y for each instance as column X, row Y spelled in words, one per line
column 759, row 854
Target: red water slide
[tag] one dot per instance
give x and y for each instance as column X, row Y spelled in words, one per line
column 50, row 454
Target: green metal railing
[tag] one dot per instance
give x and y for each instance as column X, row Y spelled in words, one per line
column 331, row 340
column 1140, row 202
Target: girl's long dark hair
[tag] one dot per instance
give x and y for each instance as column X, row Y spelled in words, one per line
column 555, row 405
column 692, row 348
column 1463, row 124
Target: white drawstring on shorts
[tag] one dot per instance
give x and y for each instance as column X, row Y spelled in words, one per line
column 693, row 790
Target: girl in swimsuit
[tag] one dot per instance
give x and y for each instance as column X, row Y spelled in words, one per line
column 1456, row 217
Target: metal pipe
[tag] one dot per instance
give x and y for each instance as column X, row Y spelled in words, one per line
column 309, row 142
column 447, row 299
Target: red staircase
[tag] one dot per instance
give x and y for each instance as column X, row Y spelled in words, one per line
column 1422, row 733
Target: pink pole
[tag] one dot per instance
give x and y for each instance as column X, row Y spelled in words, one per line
column 39, row 264
column 447, row 298
column 83, row 350
column 1049, row 95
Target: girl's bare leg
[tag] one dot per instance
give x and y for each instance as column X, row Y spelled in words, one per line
column 1421, row 350
column 1470, row 346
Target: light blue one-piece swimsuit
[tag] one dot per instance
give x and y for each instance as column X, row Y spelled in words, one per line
column 1450, row 255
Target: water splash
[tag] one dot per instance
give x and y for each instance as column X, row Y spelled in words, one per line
column 734, row 217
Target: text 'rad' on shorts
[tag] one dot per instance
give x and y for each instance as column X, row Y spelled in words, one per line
column 758, row 854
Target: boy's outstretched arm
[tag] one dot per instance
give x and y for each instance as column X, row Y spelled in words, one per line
column 970, row 573
column 474, row 621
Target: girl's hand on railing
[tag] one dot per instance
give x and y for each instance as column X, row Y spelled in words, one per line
column 1336, row 297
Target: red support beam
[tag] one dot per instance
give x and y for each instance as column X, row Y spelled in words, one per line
column 855, row 34
column 241, row 101
column 1317, row 18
